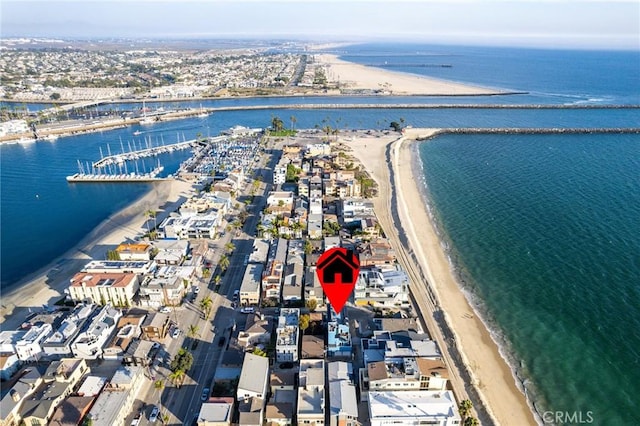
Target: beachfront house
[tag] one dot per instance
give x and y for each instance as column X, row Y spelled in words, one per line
column 89, row 344
column 136, row 251
column 381, row 288
column 413, row 408
column 117, row 289
column 58, row 344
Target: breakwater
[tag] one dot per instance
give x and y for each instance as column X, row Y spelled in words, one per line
column 532, row 131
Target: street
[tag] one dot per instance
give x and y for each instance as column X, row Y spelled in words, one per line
column 182, row 404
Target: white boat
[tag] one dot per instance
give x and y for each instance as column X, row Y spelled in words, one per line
column 147, row 121
column 137, row 133
column 51, row 138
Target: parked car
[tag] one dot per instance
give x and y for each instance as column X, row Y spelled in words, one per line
column 286, row 365
column 154, row 414
column 196, row 289
column 221, row 341
column 175, row 333
column 165, row 310
column 236, row 294
column 205, row 394
column 247, row 310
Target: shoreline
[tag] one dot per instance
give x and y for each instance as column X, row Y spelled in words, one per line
column 469, row 349
column 46, row 285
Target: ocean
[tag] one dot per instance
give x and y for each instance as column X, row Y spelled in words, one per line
column 542, row 229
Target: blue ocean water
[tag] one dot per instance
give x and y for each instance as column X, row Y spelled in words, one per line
column 546, row 249
column 544, row 231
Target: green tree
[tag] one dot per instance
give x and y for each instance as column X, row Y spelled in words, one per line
column 277, row 124
column 465, row 408
column 205, row 305
column 217, row 279
column 206, row 273
column 303, row 322
column 471, row 421
column 308, row 247
column 183, row 360
column 193, row 331
column 177, row 377
column 294, row 120
column 113, row 255
column 396, row 126
column 259, row 352
column 312, row 304
column 55, row 96
column 224, row 262
column 229, row 247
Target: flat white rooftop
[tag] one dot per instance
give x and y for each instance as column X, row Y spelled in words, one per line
column 398, row 405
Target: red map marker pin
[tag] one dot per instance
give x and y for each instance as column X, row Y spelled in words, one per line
column 337, row 271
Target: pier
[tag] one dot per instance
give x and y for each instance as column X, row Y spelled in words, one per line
column 142, row 153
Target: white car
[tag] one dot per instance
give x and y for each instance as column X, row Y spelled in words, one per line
column 196, row 289
column 165, row 310
column 154, row 414
column 175, row 333
column 247, row 310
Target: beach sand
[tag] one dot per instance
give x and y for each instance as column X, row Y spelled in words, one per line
column 46, row 286
column 492, row 379
column 359, row 77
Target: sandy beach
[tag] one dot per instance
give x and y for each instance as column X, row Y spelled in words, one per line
column 484, row 374
column 46, row 286
column 359, row 77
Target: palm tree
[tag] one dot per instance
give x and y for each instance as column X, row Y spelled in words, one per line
column 177, row 377
column 471, row 421
column 229, row 247
column 216, row 280
column 205, row 305
column 294, row 120
column 465, row 408
column 224, row 262
column 193, row 331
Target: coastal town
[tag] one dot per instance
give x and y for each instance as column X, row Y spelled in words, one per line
column 213, row 314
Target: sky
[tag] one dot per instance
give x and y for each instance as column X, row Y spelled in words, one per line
column 612, row 24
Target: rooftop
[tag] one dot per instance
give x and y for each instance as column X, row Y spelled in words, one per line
column 412, row 405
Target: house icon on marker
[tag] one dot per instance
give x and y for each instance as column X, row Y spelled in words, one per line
column 339, row 267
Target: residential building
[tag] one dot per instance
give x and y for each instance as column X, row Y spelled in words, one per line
column 116, row 400
column 353, row 209
column 310, row 404
column 280, row 409
column 254, row 379
column 287, row 335
column 280, row 202
column 58, row 344
column 280, row 173
column 92, row 386
column 250, row 287
column 59, row 381
column 257, row 330
column 313, row 288
column 292, row 288
column 381, row 288
column 117, row 289
column 140, row 352
column 71, row 411
column 128, row 330
column 377, row 252
column 89, row 344
column 216, row 412
column 312, row 347
column 195, row 226
column 29, row 347
column 272, row 280
column 136, row 251
column 138, row 267
column 314, row 226
column 162, row 291
column 251, row 412
column 155, row 326
column 413, row 408
column 9, row 361
column 260, row 251
column 29, row 380
column 342, row 395
column 338, row 340
column 170, row 252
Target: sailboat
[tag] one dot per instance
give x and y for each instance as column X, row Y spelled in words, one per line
column 203, row 113
column 146, row 120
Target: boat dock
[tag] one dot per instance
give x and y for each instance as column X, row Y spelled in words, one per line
column 142, row 153
column 92, row 178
